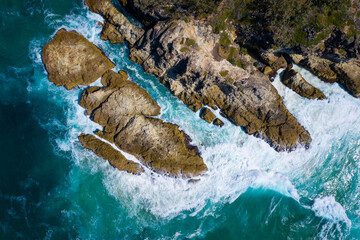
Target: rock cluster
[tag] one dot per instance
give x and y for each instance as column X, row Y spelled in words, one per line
column 347, row 73
column 184, row 56
column 124, row 110
column 298, row 84
column 117, row 26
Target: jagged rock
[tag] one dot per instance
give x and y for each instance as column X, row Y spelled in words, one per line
column 161, row 146
column 109, row 32
column 106, row 151
column 347, row 73
column 207, row 115
column 298, row 84
column 119, row 22
column 321, row 67
column 71, row 60
column 275, row 62
column 124, row 109
column 349, row 76
column 218, row 122
column 268, row 71
column 193, row 74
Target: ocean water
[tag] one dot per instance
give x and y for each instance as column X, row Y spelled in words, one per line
column 53, row 188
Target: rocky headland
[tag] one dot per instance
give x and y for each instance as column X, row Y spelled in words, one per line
column 190, row 59
column 210, row 57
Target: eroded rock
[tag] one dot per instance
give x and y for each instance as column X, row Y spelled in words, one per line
column 349, row 76
column 125, row 110
column 207, row 115
column 71, row 60
column 116, row 20
column 218, row 122
column 106, row 151
column 298, row 84
column 193, row 74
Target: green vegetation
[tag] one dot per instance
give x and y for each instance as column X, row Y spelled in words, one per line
column 190, row 42
column 267, row 23
column 184, row 49
column 224, row 73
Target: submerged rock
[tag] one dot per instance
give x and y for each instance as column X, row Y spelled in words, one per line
column 106, row 151
column 298, row 84
column 125, row 110
column 116, row 22
column 71, row 60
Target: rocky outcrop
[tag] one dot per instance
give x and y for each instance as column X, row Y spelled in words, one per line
column 207, row 115
column 106, row 151
column 321, row 67
column 125, row 110
column 115, row 21
column 71, row 60
column 185, row 57
column 347, row 73
column 109, row 32
column 189, row 69
column 349, row 76
column 298, row 84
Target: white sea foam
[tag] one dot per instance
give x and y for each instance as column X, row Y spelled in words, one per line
column 236, row 161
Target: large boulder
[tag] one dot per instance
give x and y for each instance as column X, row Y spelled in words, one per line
column 71, row 60
column 125, row 110
column 116, row 21
column 298, row 84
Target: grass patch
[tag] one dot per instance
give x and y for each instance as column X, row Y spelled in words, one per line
column 190, row 42
column 224, row 73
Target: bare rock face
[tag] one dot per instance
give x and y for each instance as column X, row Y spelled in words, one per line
column 106, row 151
column 71, row 60
column 349, row 76
column 116, row 22
column 125, row 110
column 109, row 32
column 320, row 67
column 181, row 55
column 298, row 84
column 161, row 146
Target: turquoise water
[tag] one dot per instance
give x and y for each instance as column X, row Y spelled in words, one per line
column 52, row 188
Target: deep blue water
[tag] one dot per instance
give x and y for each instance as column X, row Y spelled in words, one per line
column 52, row 188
